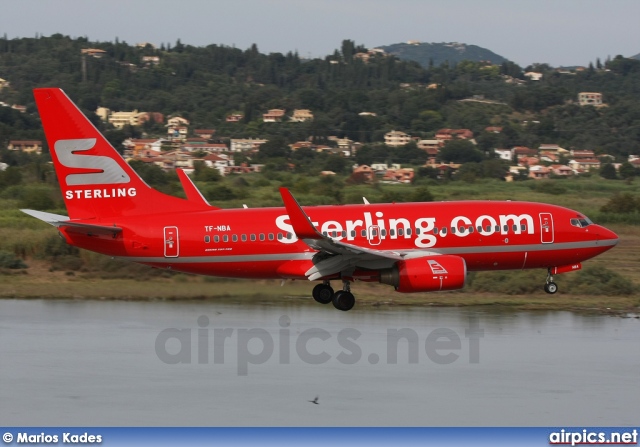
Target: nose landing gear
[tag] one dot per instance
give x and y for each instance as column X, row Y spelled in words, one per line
column 550, row 286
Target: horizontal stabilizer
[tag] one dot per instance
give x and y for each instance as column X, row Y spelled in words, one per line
column 60, row 221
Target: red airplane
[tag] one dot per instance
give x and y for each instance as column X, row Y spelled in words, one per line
column 414, row 247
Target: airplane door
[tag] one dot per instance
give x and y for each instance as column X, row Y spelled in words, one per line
column 171, row 243
column 373, row 235
column 546, row 228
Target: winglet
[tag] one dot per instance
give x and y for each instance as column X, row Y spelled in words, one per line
column 190, row 189
column 302, row 226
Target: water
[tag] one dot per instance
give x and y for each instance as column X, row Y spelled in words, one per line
column 89, row 363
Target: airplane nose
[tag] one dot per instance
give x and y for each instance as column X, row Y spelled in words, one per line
column 605, row 234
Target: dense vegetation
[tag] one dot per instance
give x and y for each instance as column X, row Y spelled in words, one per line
column 430, row 54
column 205, row 84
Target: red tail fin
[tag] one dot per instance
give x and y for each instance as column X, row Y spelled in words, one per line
column 96, row 181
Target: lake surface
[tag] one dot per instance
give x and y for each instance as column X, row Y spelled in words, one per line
column 96, row 363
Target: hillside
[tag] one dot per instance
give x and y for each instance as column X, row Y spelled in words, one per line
column 439, row 53
column 350, row 96
column 637, row 56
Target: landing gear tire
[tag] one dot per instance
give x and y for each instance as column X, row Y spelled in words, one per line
column 323, row 293
column 343, row 300
column 551, row 287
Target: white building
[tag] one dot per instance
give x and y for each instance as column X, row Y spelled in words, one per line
column 590, row 99
column 247, row 144
column 396, row 138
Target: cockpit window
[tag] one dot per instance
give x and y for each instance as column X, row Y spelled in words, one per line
column 581, row 221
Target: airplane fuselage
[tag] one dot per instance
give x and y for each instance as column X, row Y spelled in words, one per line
column 260, row 243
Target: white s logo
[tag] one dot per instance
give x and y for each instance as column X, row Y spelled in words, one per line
column 111, row 173
column 436, row 268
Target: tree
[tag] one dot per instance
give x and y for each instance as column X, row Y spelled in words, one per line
column 621, row 203
column 608, row 171
column 203, row 173
column 274, row 148
column 10, row 176
column 336, row 164
column 627, row 170
column 460, row 151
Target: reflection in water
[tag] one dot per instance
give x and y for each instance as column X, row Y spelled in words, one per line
column 131, row 363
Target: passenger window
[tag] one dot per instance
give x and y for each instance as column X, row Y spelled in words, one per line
column 417, row 230
column 515, row 228
column 408, row 231
column 461, row 229
column 383, row 232
column 279, row 236
column 392, row 232
column 488, row 229
column 344, row 234
column 324, row 233
column 506, row 228
column 253, row 238
column 271, row 237
column 400, row 231
column 207, row 239
column 353, row 233
column 225, row 238
column 374, row 233
column 480, row 229
column 523, row 227
column 497, row 228
column 262, row 236
column 470, row 229
column 234, row 238
column 363, row 233
column 244, row 238
column 453, row 230
column 435, row 230
column 216, row 238
column 289, row 235
column 444, row 231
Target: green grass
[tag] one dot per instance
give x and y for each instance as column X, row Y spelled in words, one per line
column 58, row 285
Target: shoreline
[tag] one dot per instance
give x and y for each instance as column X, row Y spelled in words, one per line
column 58, row 286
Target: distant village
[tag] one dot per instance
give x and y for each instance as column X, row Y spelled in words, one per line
column 182, row 146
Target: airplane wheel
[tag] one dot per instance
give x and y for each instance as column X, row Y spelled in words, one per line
column 322, row 293
column 343, row 300
column 551, row 287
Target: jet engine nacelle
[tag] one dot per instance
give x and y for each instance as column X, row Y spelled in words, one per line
column 426, row 274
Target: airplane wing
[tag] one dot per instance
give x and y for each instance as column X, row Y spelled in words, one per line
column 60, row 221
column 339, row 256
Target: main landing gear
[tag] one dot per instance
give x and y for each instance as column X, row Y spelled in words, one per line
column 342, row 299
column 550, row 286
